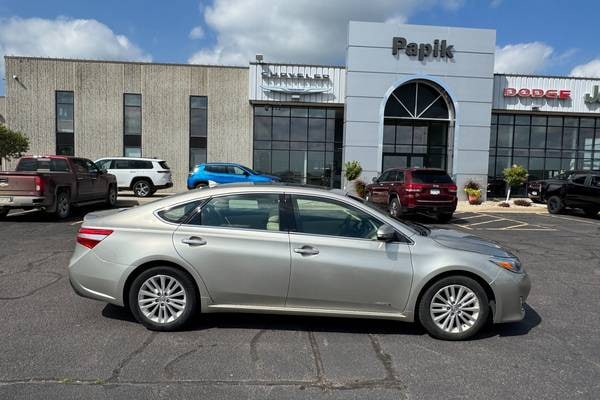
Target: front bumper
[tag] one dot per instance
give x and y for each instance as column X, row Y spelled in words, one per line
column 511, row 291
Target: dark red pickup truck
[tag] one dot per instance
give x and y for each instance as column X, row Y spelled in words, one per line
column 54, row 184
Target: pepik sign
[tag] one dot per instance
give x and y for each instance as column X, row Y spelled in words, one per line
column 594, row 97
column 439, row 49
column 562, row 94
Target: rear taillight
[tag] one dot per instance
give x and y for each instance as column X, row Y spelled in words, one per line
column 414, row 187
column 90, row 237
column 452, row 188
column 39, row 184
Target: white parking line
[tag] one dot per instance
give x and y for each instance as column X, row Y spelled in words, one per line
column 76, row 223
column 573, row 219
column 474, row 216
column 487, row 222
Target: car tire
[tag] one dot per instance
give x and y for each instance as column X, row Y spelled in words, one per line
column 142, row 188
column 368, row 196
column 3, row 212
column 63, row 205
column 162, row 311
column 111, row 196
column 395, row 208
column 555, row 205
column 447, row 316
column 590, row 212
column 444, row 218
column 200, row 185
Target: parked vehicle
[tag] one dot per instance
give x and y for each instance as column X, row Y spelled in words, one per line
column 54, row 184
column 406, row 191
column 219, row 173
column 144, row 176
column 272, row 248
column 575, row 189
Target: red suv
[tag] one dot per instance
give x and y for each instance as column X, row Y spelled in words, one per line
column 413, row 190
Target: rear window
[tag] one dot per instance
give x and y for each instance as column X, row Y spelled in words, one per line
column 163, row 165
column 43, row 164
column 430, row 177
column 178, row 214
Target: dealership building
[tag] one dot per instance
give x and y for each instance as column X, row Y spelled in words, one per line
column 408, row 95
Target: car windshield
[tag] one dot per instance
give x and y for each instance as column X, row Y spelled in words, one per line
column 411, row 226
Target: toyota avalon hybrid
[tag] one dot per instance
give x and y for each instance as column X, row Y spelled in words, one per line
column 273, row 248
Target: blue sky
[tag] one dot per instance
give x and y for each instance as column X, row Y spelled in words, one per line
column 546, row 37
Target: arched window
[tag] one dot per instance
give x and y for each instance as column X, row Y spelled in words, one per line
column 417, row 100
column 2, row 120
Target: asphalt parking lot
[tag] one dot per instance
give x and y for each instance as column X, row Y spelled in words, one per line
column 56, row 345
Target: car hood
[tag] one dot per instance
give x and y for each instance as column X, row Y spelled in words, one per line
column 467, row 242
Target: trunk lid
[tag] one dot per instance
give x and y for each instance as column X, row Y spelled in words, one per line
column 18, row 184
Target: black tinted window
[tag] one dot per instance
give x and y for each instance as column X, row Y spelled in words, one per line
column 163, row 165
column 595, row 181
column 179, row 213
column 430, row 177
column 327, row 217
column 121, row 164
column 385, row 177
column 139, row 164
column 579, row 179
column 244, row 211
column 218, row 169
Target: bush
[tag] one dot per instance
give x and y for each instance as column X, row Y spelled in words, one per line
column 514, row 176
column 353, row 170
column 504, row 204
column 473, row 192
column 361, row 188
column 522, row 203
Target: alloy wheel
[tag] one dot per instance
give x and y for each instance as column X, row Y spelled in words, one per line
column 141, row 188
column 112, row 196
column 162, row 299
column 455, row 308
column 62, row 206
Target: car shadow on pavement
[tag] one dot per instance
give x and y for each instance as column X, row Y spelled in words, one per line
column 77, row 213
column 328, row 324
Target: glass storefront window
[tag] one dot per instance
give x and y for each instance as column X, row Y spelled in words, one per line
column 300, row 144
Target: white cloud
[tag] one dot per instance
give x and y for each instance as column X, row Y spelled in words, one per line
column 495, row 3
column 588, row 70
column 307, row 31
column 197, row 32
column 66, row 38
column 522, row 58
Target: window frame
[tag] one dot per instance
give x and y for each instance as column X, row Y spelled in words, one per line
column 59, row 133
column 197, row 143
column 135, row 137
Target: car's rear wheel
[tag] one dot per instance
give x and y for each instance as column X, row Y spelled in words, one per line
column 111, row 196
column 163, row 298
column 454, row 308
column 142, row 188
column 395, row 209
column 3, row 212
column 63, row 205
column 555, row 205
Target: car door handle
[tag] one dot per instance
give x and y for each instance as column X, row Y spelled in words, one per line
column 194, row 241
column 307, row 251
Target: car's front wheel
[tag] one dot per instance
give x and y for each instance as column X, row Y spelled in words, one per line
column 111, row 196
column 395, row 208
column 555, row 205
column 368, row 196
column 454, row 308
column 163, row 298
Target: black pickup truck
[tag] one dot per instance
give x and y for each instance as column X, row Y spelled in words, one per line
column 574, row 189
column 54, row 184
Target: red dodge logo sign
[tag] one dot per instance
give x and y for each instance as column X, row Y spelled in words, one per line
column 538, row 93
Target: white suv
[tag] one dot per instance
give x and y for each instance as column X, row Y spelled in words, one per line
column 142, row 175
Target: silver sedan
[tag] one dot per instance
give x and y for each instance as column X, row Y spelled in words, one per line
column 273, row 248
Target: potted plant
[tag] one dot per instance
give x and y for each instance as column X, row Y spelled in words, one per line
column 514, row 176
column 473, row 191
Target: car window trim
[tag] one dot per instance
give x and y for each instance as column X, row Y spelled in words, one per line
column 402, row 237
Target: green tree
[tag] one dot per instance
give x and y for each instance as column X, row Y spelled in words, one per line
column 353, row 170
column 514, row 176
column 12, row 144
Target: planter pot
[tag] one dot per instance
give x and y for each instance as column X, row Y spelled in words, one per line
column 474, row 199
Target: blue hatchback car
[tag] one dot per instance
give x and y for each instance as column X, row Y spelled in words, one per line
column 221, row 173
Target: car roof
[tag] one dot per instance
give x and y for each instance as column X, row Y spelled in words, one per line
column 221, row 163
column 131, row 158
column 412, row 169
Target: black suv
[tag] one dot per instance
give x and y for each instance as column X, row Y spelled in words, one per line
column 574, row 189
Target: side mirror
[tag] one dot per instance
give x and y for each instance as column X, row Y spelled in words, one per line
column 375, row 179
column 386, row 233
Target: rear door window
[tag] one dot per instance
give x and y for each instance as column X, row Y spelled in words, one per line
column 430, row 177
column 579, row 179
column 121, row 164
column 216, row 169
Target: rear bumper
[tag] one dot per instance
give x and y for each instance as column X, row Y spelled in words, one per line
column 431, row 207
column 165, row 186
column 511, row 291
column 23, row 201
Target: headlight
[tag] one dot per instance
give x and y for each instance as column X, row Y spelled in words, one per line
column 511, row 264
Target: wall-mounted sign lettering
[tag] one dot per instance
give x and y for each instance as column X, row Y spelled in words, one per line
column 439, row 49
column 562, row 94
column 295, row 83
column 594, row 97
